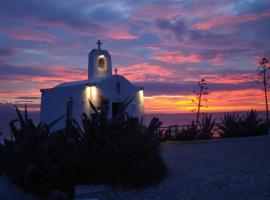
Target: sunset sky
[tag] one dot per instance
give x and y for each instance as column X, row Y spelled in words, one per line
column 164, row 46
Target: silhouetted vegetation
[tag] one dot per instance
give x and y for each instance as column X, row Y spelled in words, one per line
column 200, row 98
column 119, row 152
column 229, row 125
column 188, row 132
column 206, row 129
column 232, row 125
column 263, row 73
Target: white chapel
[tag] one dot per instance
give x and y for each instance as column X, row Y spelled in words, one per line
column 102, row 86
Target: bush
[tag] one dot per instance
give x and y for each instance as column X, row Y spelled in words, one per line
column 118, row 151
column 188, row 132
column 248, row 125
column 206, row 129
column 230, row 125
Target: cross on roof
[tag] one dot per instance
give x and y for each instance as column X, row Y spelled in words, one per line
column 99, row 43
column 115, row 71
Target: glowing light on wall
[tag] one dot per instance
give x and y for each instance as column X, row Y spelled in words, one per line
column 141, row 95
column 91, row 93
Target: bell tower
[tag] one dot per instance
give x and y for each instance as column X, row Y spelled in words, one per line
column 99, row 62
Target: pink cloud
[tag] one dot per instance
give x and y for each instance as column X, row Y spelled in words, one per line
column 152, row 47
column 228, row 19
column 146, row 72
column 53, row 75
column 119, row 33
column 232, row 78
column 28, row 34
column 176, row 57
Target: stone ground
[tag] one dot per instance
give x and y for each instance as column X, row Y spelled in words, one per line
column 236, row 168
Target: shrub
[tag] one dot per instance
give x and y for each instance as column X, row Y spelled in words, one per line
column 118, row 151
column 230, row 125
column 206, row 129
column 188, row 132
column 251, row 125
column 248, row 125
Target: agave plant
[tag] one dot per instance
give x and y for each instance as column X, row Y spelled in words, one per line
column 118, row 151
column 206, row 129
column 248, row 125
column 230, row 125
column 251, row 124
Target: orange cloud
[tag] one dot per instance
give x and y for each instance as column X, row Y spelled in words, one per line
column 222, row 20
column 220, row 101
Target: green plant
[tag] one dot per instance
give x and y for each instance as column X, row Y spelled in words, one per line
column 206, row 128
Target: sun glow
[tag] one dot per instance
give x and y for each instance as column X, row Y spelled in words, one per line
column 219, row 101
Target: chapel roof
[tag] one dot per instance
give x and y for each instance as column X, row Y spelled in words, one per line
column 84, row 82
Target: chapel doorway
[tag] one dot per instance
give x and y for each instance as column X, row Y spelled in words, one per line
column 116, row 107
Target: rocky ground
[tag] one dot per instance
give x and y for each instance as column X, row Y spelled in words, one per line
column 236, row 168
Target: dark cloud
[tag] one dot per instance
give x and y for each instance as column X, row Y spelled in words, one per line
column 7, row 52
column 50, row 13
column 11, row 70
column 176, row 25
column 253, row 6
column 8, row 71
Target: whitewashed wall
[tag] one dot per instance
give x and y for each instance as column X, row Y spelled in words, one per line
column 53, row 101
column 53, row 104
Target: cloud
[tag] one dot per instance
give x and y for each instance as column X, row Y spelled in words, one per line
column 146, row 72
column 7, row 52
column 119, row 33
column 53, row 74
column 28, row 34
column 231, row 19
column 176, row 24
column 165, row 45
column 186, row 88
column 175, row 57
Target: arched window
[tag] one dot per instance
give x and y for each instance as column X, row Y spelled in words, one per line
column 101, row 63
column 118, row 88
